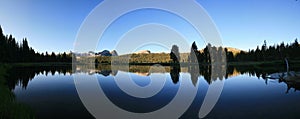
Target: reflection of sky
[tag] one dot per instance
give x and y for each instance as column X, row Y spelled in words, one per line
column 242, row 96
column 134, row 104
column 250, row 97
column 52, row 25
column 52, row 97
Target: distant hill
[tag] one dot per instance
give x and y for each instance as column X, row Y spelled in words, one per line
column 233, row 50
column 146, row 56
column 230, row 49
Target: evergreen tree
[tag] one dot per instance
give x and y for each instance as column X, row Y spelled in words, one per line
column 11, row 51
column 174, row 55
column 194, row 54
column 2, row 44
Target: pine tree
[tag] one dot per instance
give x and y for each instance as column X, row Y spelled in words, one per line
column 2, row 40
column 174, row 55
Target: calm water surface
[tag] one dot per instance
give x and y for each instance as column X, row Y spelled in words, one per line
column 51, row 93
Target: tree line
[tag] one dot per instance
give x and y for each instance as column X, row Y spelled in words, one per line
column 264, row 53
column 271, row 53
column 12, row 51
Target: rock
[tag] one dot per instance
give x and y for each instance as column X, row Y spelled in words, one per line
column 142, row 52
column 114, row 53
column 104, row 53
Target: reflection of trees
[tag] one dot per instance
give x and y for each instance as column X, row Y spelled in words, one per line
column 194, row 71
column 292, row 84
column 211, row 63
column 218, row 63
column 206, row 72
column 9, row 107
column 193, row 67
column 138, row 69
column 175, row 70
column 229, row 70
column 22, row 75
column 105, row 70
column 210, row 72
column 263, row 71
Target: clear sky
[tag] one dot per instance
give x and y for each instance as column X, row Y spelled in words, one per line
column 52, row 25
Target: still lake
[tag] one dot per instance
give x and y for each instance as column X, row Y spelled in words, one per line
column 247, row 93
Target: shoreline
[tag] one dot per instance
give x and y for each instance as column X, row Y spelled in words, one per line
column 255, row 63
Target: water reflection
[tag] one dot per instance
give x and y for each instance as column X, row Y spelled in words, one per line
column 292, row 84
column 174, row 73
column 23, row 75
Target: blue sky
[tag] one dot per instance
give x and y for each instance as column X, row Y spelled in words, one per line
column 52, row 25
